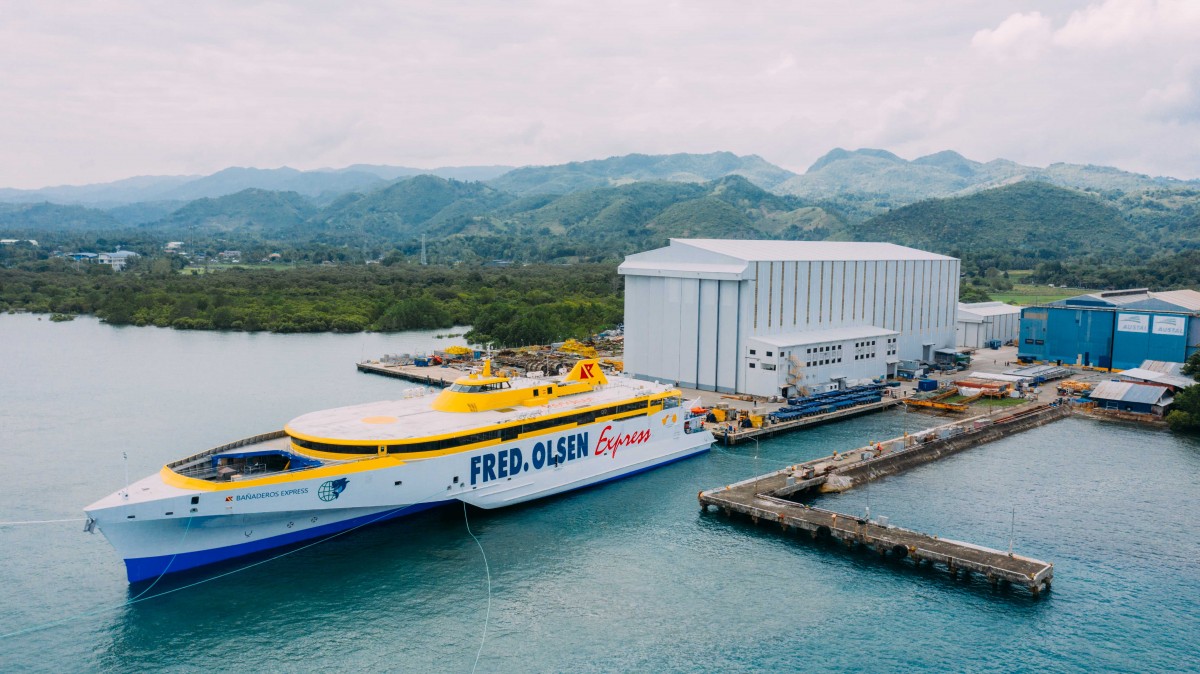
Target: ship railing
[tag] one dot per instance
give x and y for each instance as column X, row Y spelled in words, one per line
column 200, row 465
column 252, row 440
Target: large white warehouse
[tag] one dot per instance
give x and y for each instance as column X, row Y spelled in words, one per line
column 772, row 317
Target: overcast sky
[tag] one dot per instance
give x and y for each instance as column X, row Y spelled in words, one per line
column 92, row 92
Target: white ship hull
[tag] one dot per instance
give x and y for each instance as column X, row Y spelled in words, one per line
column 159, row 528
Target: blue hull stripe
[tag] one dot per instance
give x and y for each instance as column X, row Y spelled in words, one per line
column 145, row 568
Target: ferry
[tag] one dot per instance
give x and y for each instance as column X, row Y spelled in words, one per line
column 489, row 440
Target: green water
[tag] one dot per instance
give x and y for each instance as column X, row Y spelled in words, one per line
column 625, row 577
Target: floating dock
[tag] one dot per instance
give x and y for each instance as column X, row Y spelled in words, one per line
column 774, row 497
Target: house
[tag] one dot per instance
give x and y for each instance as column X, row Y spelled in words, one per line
column 117, row 259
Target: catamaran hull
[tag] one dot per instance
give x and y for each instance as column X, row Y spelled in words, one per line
column 230, row 539
column 255, row 519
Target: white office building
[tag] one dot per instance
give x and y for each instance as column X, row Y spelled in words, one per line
column 784, row 317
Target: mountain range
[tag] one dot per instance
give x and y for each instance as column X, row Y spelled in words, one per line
column 603, row 208
column 838, row 174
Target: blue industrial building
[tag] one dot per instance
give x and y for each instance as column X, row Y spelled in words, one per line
column 1115, row 329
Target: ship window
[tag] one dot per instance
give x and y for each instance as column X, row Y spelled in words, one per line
column 479, row 388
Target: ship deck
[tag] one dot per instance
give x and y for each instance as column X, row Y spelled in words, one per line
column 413, row 418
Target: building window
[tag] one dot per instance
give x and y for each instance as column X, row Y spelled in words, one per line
column 751, row 364
column 769, row 354
column 768, row 366
column 752, row 352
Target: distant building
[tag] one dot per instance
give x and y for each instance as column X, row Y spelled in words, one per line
column 9, row 242
column 173, row 246
column 230, row 255
column 981, row 322
column 117, row 259
column 82, row 257
column 1114, row 329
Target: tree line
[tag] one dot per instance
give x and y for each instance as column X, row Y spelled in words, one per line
column 512, row 306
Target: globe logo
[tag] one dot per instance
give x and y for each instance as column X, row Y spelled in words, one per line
column 332, row 489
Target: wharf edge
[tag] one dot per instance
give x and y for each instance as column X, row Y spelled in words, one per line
column 762, row 498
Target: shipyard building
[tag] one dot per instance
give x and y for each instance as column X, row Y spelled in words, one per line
column 981, row 324
column 1116, row 329
column 784, row 317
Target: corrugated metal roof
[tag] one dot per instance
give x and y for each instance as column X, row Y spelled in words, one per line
column 730, row 272
column 1140, row 298
column 1187, row 299
column 774, row 250
column 819, row 336
column 989, row 308
column 1128, row 392
column 1143, row 374
column 1163, row 366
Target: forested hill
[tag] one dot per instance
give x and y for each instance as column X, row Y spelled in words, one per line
column 249, row 211
column 603, row 223
column 603, row 210
column 692, row 168
column 1029, row 216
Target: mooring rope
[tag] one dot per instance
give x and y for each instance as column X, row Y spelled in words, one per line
column 487, row 616
column 169, row 562
column 72, row 519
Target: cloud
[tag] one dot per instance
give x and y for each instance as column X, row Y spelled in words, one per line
column 1129, row 22
column 1020, row 36
column 1179, row 99
column 128, row 87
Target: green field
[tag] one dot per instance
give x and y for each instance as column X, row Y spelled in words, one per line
column 1024, row 294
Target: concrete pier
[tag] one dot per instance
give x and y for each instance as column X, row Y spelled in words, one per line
column 435, row 375
column 739, row 435
column 775, row 498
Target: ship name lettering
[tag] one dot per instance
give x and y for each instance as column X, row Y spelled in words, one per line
column 510, row 462
column 610, row 445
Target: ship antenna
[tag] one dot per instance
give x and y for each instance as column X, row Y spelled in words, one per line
column 125, row 456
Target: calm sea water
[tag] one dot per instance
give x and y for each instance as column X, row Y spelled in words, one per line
column 624, row 577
